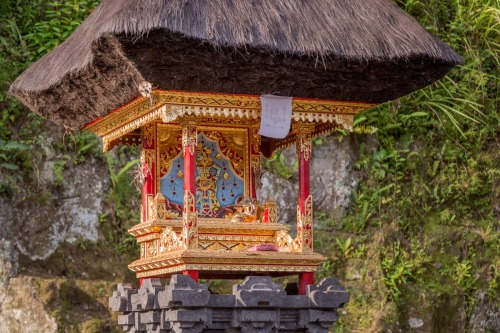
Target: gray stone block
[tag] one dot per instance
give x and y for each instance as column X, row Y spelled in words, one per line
column 184, row 291
column 321, row 320
column 147, row 296
column 121, row 299
column 259, row 291
column 327, row 294
column 189, row 320
column 256, row 320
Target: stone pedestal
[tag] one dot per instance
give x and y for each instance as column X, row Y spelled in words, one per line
column 256, row 305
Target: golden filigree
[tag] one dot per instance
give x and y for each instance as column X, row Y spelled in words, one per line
column 151, row 208
column 224, row 246
column 169, row 106
column 170, row 241
column 147, row 161
column 152, row 248
column 237, row 155
column 271, row 211
column 160, row 211
column 189, row 137
column 190, row 221
column 305, row 226
column 345, row 121
column 148, row 134
column 256, row 140
column 303, row 135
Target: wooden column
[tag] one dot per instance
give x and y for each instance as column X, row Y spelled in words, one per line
column 148, row 153
column 255, row 161
column 303, row 133
column 148, row 165
column 190, row 215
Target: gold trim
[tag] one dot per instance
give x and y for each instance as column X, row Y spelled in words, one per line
column 229, row 261
column 189, row 221
column 148, row 135
column 168, row 106
column 189, row 134
column 303, row 138
column 305, row 226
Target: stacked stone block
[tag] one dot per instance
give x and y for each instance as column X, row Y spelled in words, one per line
column 256, row 305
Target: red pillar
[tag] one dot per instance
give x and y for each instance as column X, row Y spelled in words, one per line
column 305, row 279
column 304, row 208
column 192, row 274
column 148, row 154
column 148, row 165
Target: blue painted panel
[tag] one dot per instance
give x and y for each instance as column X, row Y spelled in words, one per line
column 217, row 185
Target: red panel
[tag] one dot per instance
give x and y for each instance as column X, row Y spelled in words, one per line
column 304, row 179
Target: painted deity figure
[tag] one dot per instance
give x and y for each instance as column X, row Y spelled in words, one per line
column 206, row 182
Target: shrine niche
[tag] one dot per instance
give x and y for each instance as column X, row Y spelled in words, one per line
column 221, row 170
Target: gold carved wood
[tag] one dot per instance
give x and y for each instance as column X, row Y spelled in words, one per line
column 169, row 106
column 190, row 221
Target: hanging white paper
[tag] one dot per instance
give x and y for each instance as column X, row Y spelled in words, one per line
column 276, row 116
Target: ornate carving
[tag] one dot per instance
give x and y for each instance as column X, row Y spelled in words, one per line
column 151, row 248
column 303, row 134
column 147, row 161
column 256, row 140
column 271, row 211
column 143, row 250
column 189, row 136
column 148, row 157
column 345, row 121
column 160, row 211
column 170, row 241
column 151, row 208
column 305, row 226
column 190, row 221
column 285, row 242
column 169, row 106
column 148, row 134
column 256, row 168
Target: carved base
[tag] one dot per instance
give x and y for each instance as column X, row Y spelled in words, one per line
column 227, row 264
column 224, row 250
column 256, row 305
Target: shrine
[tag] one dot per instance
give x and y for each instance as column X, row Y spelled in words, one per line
column 201, row 157
column 188, row 81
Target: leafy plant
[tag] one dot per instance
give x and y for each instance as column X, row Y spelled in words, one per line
column 61, row 19
column 7, row 151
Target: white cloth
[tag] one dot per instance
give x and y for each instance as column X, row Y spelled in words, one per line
column 276, row 116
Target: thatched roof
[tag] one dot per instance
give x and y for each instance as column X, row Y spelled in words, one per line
column 360, row 50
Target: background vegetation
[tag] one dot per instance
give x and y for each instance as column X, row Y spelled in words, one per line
column 420, row 240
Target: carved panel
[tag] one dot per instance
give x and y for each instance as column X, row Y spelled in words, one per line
column 190, row 221
column 305, row 226
column 170, row 241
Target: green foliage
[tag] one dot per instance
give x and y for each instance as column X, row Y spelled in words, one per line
column 122, row 209
column 60, row 19
column 431, row 184
column 28, row 29
column 279, row 166
column 401, row 266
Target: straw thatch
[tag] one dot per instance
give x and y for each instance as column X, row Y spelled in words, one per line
column 359, row 50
